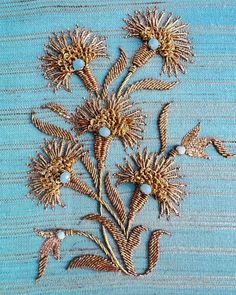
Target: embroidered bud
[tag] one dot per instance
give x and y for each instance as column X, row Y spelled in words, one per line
column 104, row 132
column 78, row 64
column 146, row 188
column 181, row 149
column 153, row 43
column 61, row 235
column 65, row 177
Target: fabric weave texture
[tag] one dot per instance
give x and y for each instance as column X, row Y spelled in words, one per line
column 199, row 257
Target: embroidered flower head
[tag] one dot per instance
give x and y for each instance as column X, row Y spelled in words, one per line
column 53, row 169
column 166, row 36
column 70, row 53
column 109, row 119
column 153, row 176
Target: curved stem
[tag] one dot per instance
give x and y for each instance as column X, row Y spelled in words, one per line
column 125, row 81
column 73, row 185
column 71, row 232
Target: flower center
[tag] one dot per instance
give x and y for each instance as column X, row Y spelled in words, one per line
column 109, row 119
column 65, row 177
column 146, row 188
column 78, row 64
column 153, row 43
column 104, row 132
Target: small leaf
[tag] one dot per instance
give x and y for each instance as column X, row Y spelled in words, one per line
column 219, row 146
column 150, row 84
column 191, row 135
column 115, row 71
column 93, row 262
column 163, row 125
column 58, row 109
column 154, row 249
column 115, row 199
column 52, row 129
column 43, row 262
column 50, row 245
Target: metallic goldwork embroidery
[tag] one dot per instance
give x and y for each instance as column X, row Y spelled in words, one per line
column 111, row 116
column 70, row 53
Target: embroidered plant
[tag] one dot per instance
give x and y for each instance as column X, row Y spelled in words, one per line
column 70, row 53
column 112, row 116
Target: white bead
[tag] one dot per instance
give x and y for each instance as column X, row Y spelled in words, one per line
column 146, row 188
column 104, row 132
column 78, row 64
column 65, row 177
column 61, row 234
column 181, row 149
column 153, row 43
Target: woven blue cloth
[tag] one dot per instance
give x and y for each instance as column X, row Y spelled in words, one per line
column 199, row 257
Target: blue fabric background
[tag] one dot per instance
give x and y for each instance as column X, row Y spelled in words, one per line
column 199, row 258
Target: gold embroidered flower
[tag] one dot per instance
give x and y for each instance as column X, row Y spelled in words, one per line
column 166, row 36
column 109, row 119
column 70, row 53
column 53, row 169
column 156, row 177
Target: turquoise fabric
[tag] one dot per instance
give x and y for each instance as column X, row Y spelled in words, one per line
column 199, row 257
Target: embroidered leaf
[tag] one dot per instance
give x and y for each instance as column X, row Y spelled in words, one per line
column 109, row 225
column 127, row 250
column 58, row 109
column 154, row 249
column 163, row 127
column 43, row 262
column 93, row 262
column 115, row 199
column 191, row 135
column 135, row 236
column 218, row 144
column 150, row 84
column 114, row 72
column 44, row 234
column 81, row 187
column 51, row 129
column 50, row 245
column 89, row 165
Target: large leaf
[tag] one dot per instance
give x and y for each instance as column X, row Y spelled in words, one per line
column 114, row 72
column 93, row 262
column 150, row 84
column 154, row 249
column 52, row 129
column 58, row 109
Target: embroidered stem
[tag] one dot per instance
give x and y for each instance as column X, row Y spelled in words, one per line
column 112, row 254
column 72, row 232
column 125, row 81
column 76, row 187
